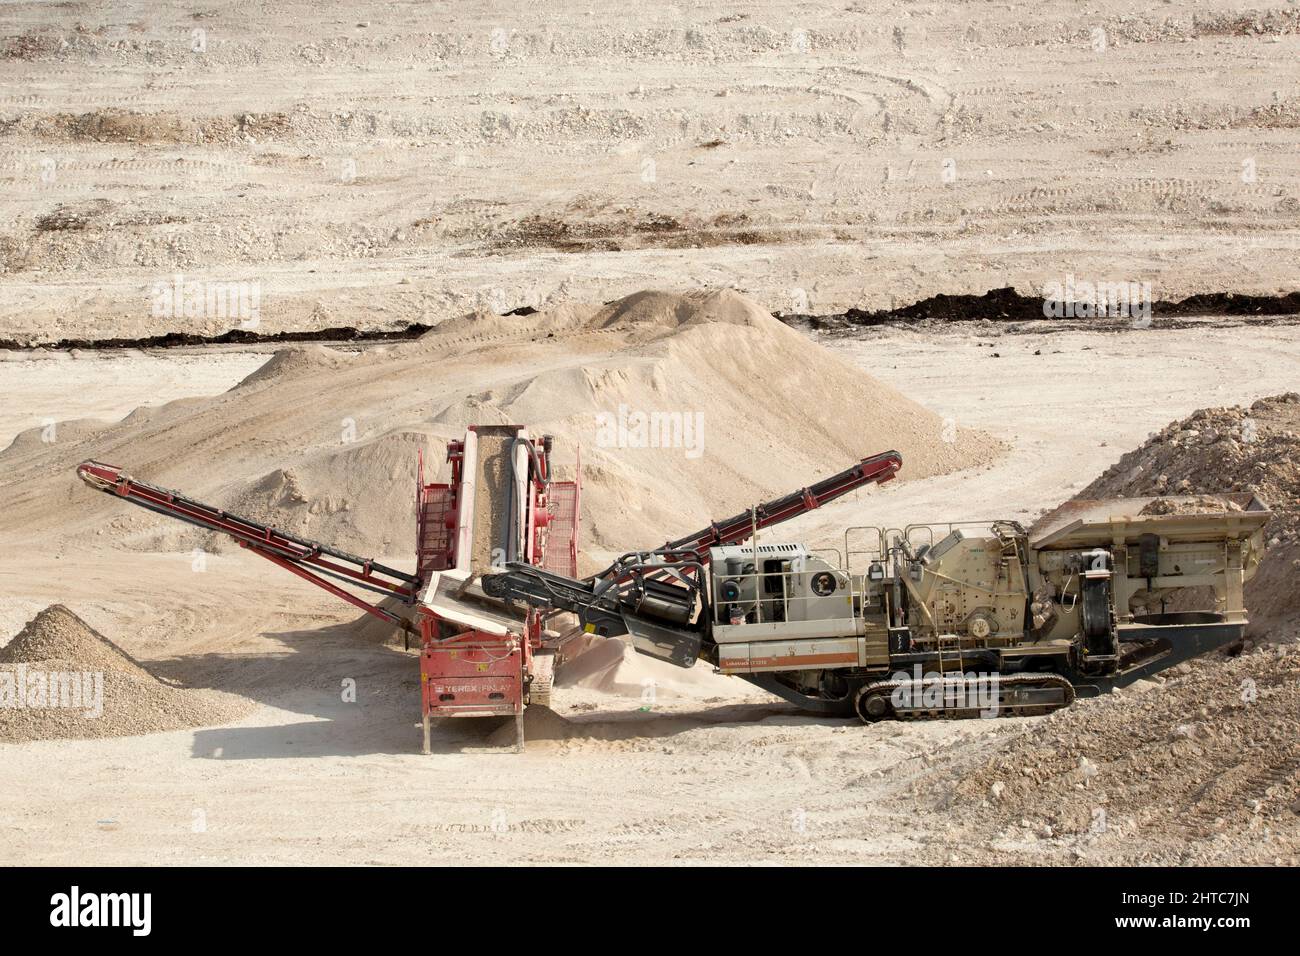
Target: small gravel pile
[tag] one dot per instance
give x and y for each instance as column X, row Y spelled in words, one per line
column 58, row 634
column 59, row 678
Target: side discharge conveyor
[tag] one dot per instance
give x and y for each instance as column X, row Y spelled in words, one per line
column 313, row 561
column 658, row 597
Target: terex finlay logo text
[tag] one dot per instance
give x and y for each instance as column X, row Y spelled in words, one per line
column 103, row 909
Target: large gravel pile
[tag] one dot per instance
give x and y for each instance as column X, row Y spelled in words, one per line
column 60, row 678
column 1195, row 767
column 1198, row 765
column 1214, row 450
column 1219, row 449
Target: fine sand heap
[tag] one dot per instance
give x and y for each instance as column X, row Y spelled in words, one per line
column 99, row 690
column 685, row 407
column 610, row 665
column 542, row 726
column 1232, row 449
column 595, row 666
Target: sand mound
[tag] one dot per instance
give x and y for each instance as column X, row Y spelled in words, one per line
column 637, row 318
column 689, row 406
column 683, row 408
column 609, row 665
column 541, row 725
column 59, row 678
column 1209, row 749
column 1231, row 449
column 298, row 360
column 670, row 311
column 466, row 332
column 361, row 491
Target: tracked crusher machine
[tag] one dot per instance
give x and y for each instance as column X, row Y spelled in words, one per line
column 933, row 619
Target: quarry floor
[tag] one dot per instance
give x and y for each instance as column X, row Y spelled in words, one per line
column 706, row 771
column 372, row 165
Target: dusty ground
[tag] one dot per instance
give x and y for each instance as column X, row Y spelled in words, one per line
column 57, row 386
column 369, row 164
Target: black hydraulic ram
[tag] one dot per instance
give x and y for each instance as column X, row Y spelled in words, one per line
column 658, row 603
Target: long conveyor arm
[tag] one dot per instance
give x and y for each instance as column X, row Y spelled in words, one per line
column 874, row 470
column 310, row 560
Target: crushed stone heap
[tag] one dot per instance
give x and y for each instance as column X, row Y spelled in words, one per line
column 60, row 678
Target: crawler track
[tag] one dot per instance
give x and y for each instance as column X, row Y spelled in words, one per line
column 1015, row 695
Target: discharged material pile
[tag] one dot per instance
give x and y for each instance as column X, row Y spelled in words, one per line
column 1198, row 505
column 60, row 678
column 541, row 726
column 1196, row 767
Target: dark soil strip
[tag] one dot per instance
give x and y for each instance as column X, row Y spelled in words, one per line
column 232, row 337
column 997, row 305
column 1008, row 305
